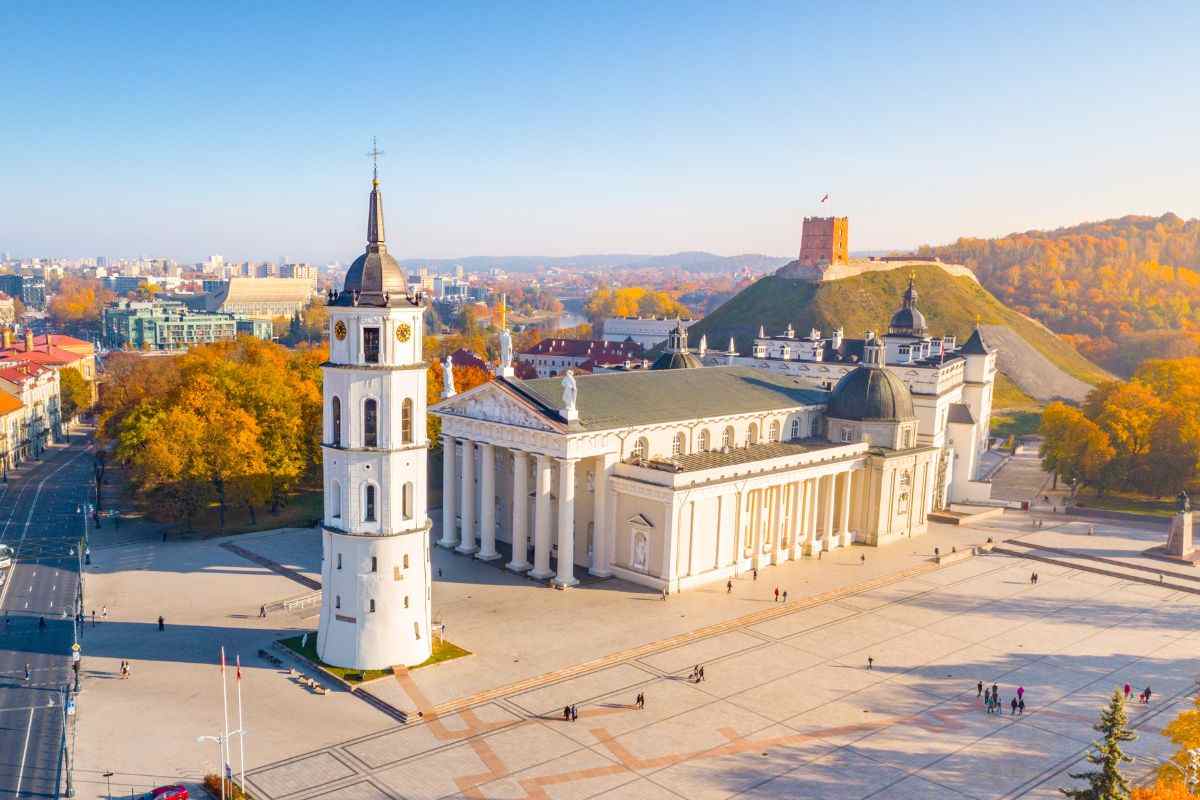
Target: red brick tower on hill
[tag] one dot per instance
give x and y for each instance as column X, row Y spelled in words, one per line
column 825, row 240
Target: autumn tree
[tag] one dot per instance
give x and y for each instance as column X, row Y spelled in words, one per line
column 79, row 301
column 1184, row 731
column 1073, row 447
column 465, row 379
column 75, row 392
column 631, row 301
column 1106, row 781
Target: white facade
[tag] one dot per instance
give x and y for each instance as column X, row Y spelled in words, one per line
column 646, row 331
column 375, row 565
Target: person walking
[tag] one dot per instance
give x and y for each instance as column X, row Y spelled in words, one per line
column 93, row 617
column 104, row 614
column 26, row 672
column 863, row 559
column 979, row 690
column 574, row 713
column 701, row 673
column 785, row 595
column 262, row 612
column 1146, row 694
column 641, row 700
column 776, row 594
column 161, row 623
column 1128, row 690
column 870, row 663
column 995, row 691
column 1013, row 706
column 1032, row 579
column 1021, row 707
column 1020, row 692
column 728, row 587
column 755, row 573
column 566, row 713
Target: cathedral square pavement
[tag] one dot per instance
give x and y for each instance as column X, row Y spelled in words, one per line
column 788, row 708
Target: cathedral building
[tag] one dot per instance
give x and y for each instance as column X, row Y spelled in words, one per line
column 375, row 567
column 684, row 474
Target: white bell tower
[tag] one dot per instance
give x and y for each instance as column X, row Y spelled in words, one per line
column 375, row 569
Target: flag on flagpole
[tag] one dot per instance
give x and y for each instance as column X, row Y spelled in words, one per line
column 824, row 198
column 239, row 666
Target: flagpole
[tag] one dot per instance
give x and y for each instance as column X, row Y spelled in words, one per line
column 241, row 725
column 225, row 739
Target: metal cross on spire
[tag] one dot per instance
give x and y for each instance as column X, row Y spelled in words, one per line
column 374, row 155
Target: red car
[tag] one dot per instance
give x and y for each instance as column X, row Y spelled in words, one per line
column 176, row 792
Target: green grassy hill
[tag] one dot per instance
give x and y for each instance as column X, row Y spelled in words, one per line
column 866, row 302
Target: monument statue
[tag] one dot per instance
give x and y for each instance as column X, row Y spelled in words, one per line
column 448, row 377
column 505, row 348
column 570, row 391
column 1185, row 502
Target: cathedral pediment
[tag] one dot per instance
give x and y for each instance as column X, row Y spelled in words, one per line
column 492, row 404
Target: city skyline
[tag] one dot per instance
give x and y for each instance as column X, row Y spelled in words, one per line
column 565, row 132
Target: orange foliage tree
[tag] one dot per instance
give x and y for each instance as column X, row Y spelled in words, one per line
column 78, row 300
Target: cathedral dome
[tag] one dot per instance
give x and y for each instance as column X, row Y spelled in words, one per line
column 676, row 360
column 908, row 321
column 870, row 392
column 677, row 355
column 375, row 278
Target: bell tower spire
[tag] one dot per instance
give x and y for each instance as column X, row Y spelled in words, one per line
column 375, row 237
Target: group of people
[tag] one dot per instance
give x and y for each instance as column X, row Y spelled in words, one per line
column 1143, row 696
column 697, row 674
column 125, row 669
column 993, row 704
column 1033, row 578
column 571, row 713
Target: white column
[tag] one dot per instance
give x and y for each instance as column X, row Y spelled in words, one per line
column 468, row 498
column 602, row 530
column 566, row 523
column 449, row 495
column 520, row 512
column 541, row 521
column 487, row 503
column 847, row 483
column 777, row 532
column 798, row 521
column 829, row 541
column 754, row 511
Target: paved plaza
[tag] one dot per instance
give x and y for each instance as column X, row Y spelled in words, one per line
column 788, row 707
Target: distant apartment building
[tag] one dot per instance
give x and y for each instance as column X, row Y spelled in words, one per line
column 264, row 298
column 29, row 289
column 551, row 357
column 171, row 325
column 122, row 285
column 8, row 310
column 648, row 332
column 303, row 272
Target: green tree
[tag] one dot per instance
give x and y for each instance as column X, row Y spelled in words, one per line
column 75, row 392
column 1107, row 782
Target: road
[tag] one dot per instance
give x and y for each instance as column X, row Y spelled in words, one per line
column 39, row 519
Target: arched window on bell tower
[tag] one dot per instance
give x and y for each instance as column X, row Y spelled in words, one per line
column 370, row 423
column 335, row 413
column 406, row 421
column 369, row 503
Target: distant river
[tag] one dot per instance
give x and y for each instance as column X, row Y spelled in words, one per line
column 565, row 320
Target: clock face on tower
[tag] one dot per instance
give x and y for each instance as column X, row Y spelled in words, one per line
column 403, row 331
column 339, row 330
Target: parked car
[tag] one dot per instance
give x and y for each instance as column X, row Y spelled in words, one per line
column 6, row 556
column 175, row 792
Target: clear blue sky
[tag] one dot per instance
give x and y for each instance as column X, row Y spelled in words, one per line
column 560, row 128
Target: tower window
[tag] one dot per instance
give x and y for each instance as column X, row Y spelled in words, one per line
column 417, row 630
column 406, row 560
column 339, row 561
column 371, row 345
column 406, row 601
column 337, row 601
column 369, row 505
column 374, row 564
column 335, row 413
column 370, row 423
column 406, row 421
column 406, row 500
column 372, row 606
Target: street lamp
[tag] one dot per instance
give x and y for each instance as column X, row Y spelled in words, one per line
column 108, row 780
column 220, row 740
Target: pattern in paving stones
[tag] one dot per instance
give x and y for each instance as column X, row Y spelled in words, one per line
column 789, row 709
